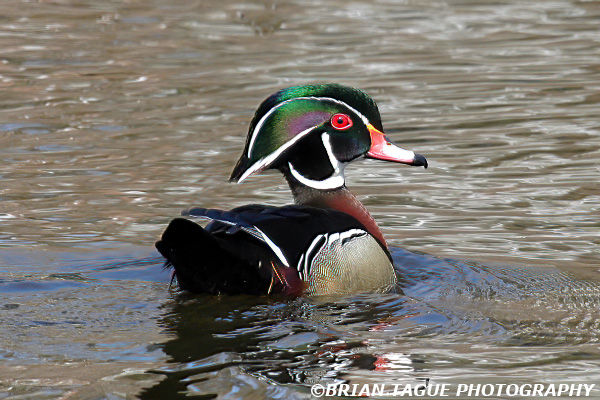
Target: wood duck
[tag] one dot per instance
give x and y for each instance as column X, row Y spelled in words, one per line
column 327, row 243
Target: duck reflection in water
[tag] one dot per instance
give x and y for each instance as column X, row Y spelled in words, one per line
column 221, row 343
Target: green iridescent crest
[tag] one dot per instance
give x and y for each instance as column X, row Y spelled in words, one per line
column 290, row 114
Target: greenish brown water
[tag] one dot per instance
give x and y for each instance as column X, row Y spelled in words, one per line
column 117, row 115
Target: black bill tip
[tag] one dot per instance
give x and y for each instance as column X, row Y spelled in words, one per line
column 420, row 161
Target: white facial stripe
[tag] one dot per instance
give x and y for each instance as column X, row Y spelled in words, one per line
column 265, row 161
column 334, row 161
column 333, row 182
column 364, row 119
column 336, row 179
column 260, row 123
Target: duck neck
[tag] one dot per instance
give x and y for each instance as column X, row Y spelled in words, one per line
column 340, row 199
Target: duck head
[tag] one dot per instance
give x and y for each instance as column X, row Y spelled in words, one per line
column 311, row 132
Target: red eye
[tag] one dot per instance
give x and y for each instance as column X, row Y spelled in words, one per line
column 341, row 122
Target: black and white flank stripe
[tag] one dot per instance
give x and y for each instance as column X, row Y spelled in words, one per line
column 295, row 234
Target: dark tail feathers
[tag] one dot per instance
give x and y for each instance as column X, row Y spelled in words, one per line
column 203, row 265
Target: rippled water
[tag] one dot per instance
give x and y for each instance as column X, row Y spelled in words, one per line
column 116, row 115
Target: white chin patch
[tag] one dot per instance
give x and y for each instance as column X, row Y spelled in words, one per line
column 333, row 182
column 336, row 180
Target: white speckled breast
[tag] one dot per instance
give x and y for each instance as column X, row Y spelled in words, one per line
column 346, row 262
